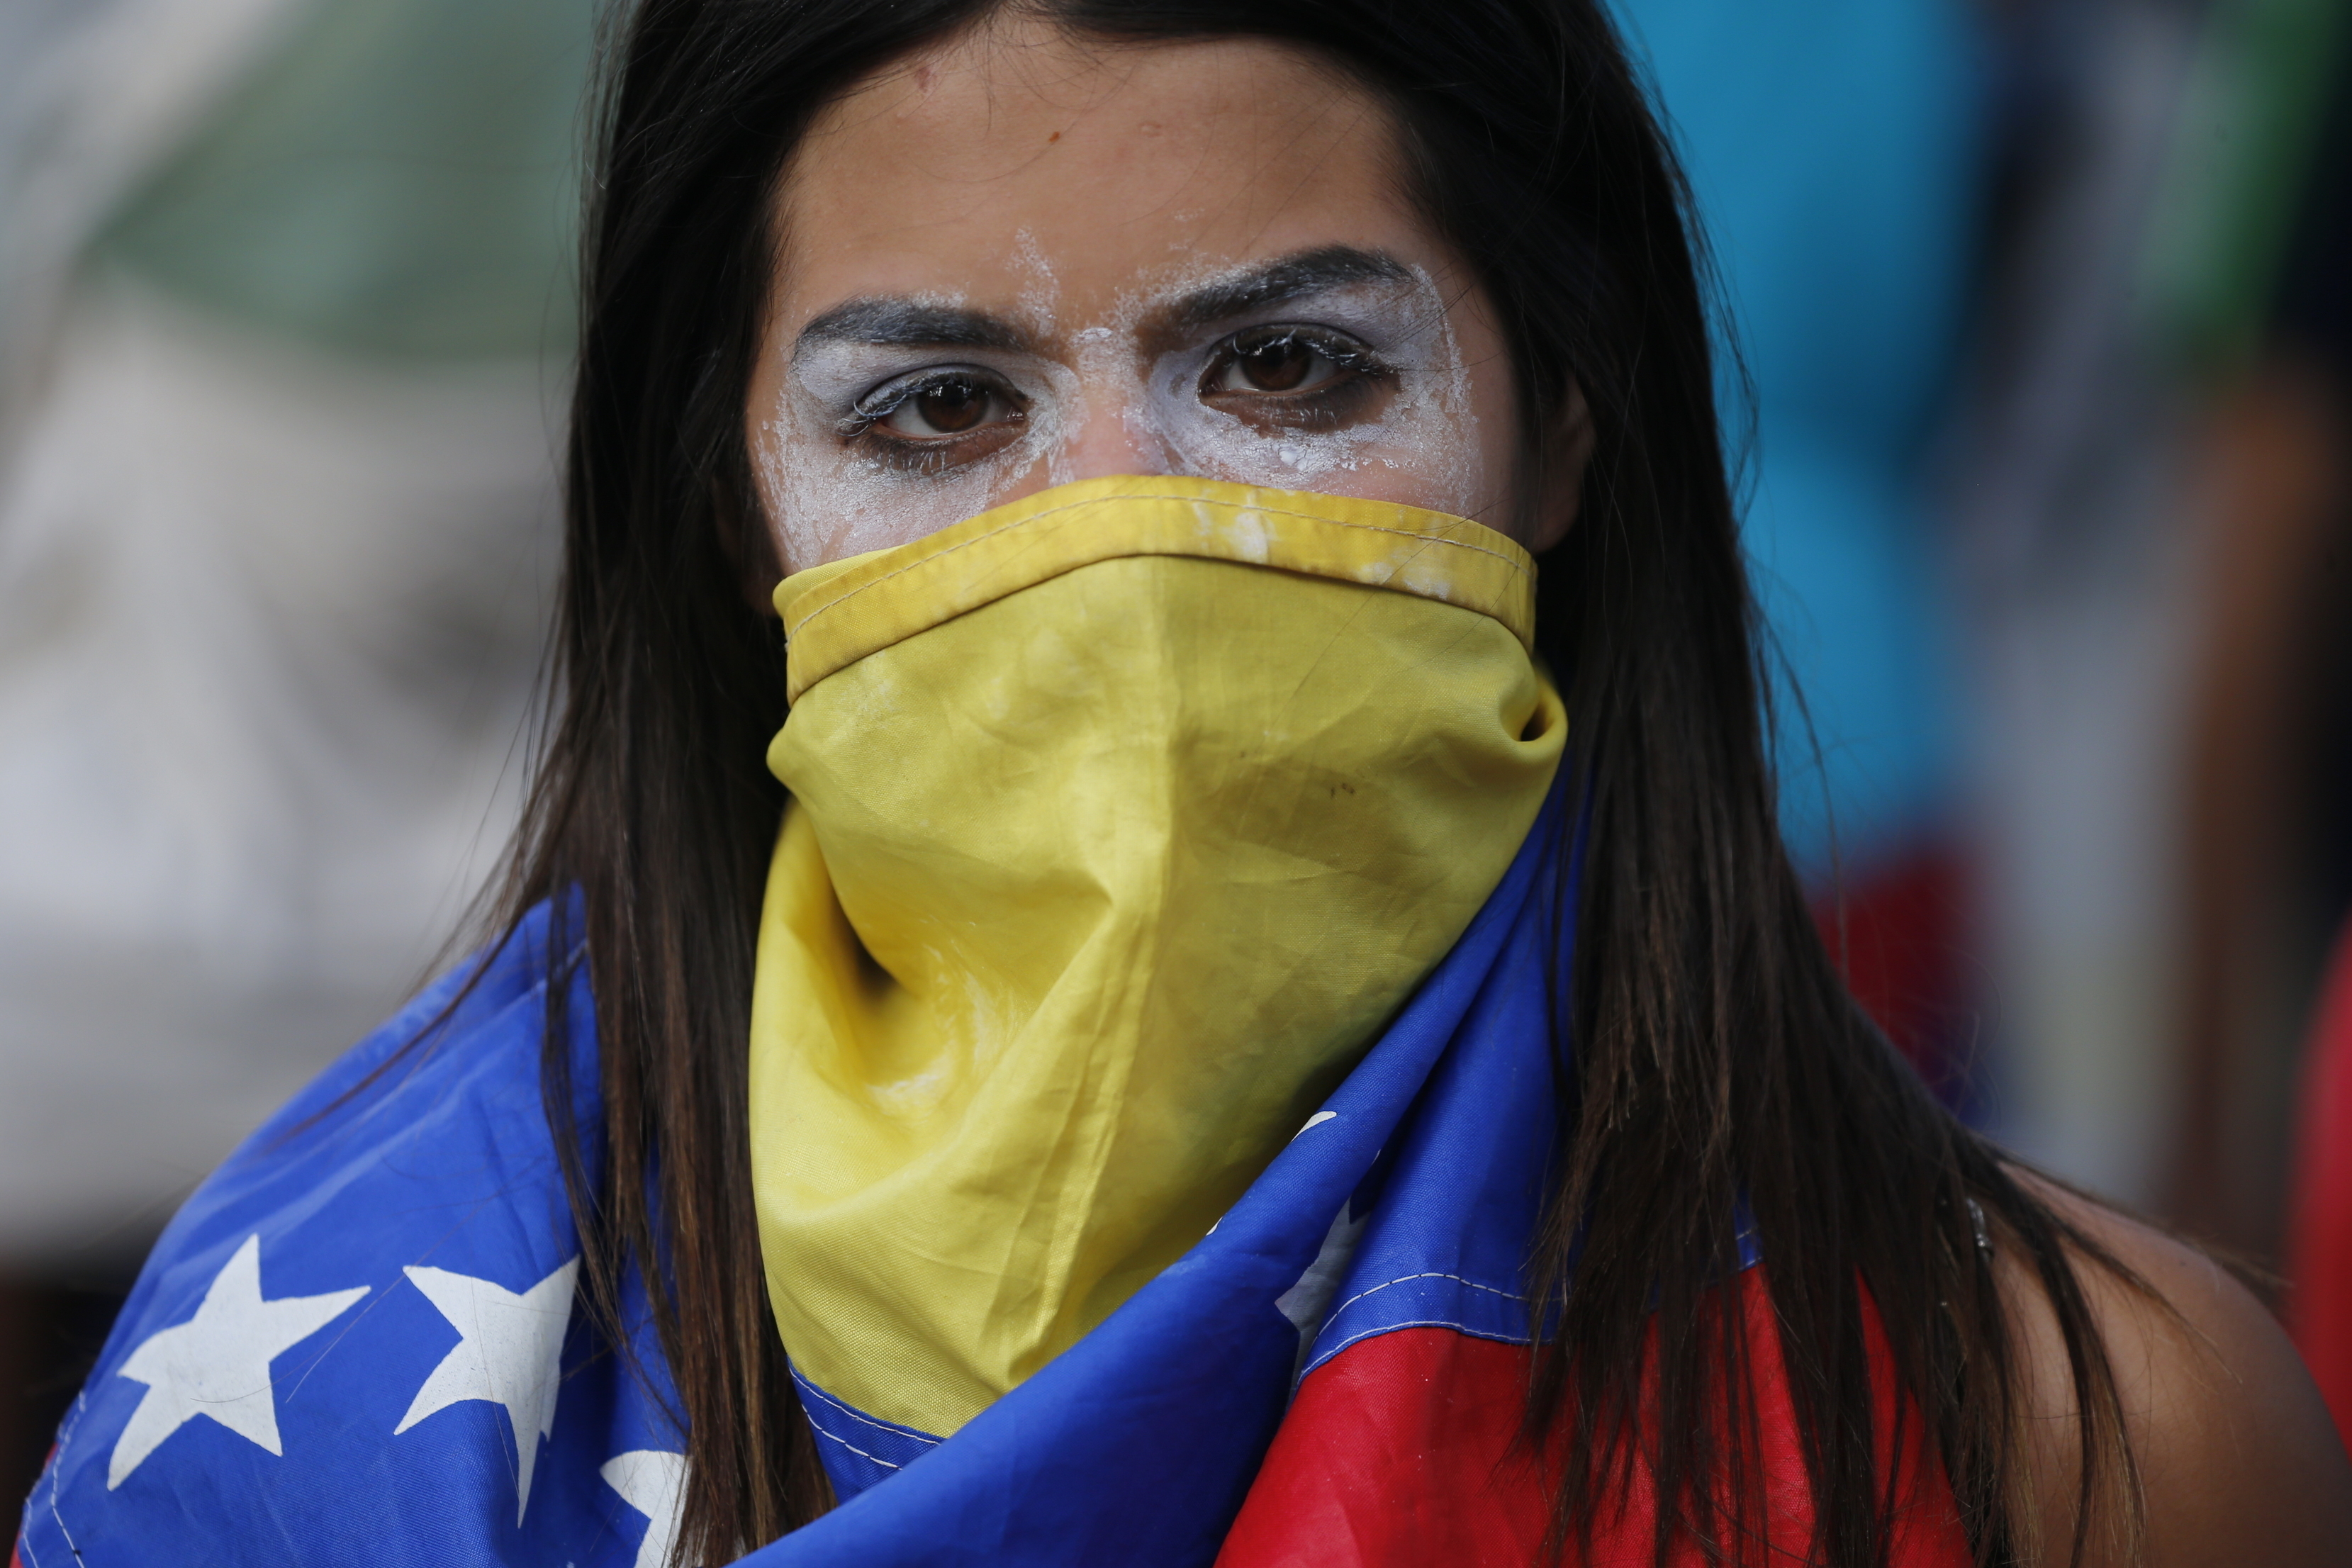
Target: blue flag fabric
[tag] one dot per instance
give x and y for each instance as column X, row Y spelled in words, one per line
column 357, row 1341
column 358, row 1337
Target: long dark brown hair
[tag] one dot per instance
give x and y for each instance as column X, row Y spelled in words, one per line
column 1719, row 1069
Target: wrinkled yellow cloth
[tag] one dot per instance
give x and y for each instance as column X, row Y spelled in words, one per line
column 1123, row 818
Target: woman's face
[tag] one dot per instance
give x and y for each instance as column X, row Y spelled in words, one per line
column 1019, row 260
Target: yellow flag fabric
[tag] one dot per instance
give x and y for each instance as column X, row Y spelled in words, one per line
column 1123, row 818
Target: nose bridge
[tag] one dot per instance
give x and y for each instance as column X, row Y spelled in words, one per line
column 1110, row 429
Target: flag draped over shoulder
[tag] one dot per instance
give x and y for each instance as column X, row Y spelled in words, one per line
column 359, row 1340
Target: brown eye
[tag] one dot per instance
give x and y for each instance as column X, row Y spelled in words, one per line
column 1287, row 366
column 1297, row 378
column 957, row 407
column 948, row 410
column 1280, row 365
column 951, row 406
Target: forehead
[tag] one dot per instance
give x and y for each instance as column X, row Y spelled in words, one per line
column 1026, row 166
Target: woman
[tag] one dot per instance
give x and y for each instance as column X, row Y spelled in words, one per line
column 1276, row 1034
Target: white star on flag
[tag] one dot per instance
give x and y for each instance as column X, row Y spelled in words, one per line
column 1308, row 1302
column 217, row 1364
column 508, row 1352
column 654, row 1483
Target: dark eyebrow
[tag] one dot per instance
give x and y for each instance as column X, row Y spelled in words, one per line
column 908, row 323
column 1292, row 277
column 891, row 322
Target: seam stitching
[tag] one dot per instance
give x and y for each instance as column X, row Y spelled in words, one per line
column 794, row 629
column 808, row 1387
column 56, row 1462
column 835, row 1436
column 1328, row 1356
column 1407, row 1279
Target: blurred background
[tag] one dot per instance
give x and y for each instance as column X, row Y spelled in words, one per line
column 2043, row 397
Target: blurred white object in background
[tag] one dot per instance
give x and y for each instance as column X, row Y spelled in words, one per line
column 94, row 94
column 266, row 624
column 282, row 312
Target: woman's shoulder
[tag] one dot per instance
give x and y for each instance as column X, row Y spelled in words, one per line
column 2236, row 1455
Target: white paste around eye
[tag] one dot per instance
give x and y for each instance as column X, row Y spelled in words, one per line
column 1041, row 296
column 830, row 498
column 826, row 498
column 1427, row 435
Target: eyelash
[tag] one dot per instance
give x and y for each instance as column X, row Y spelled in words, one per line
column 1323, row 406
column 1341, row 349
column 1319, row 407
column 913, row 454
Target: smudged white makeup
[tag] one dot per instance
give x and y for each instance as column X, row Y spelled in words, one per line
column 899, row 416
column 1288, row 377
